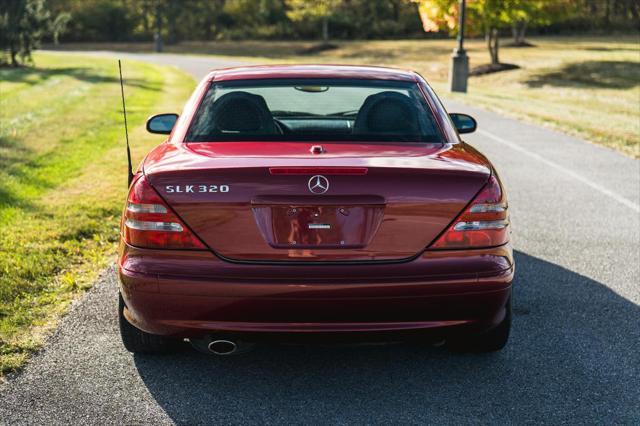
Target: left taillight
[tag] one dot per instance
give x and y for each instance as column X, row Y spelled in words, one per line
column 484, row 223
column 149, row 222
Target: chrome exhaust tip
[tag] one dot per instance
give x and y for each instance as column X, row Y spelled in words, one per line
column 222, row 347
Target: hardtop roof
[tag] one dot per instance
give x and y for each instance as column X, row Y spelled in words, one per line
column 260, row 72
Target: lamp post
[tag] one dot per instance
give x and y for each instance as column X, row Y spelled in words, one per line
column 459, row 72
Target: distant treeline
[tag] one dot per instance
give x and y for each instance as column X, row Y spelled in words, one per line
column 176, row 20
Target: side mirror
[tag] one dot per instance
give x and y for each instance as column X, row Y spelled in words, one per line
column 464, row 123
column 161, row 123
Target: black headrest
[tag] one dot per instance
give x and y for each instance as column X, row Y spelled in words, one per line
column 387, row 112
column 242, row 112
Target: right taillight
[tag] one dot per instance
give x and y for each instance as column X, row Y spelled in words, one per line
column 484, row 223
column 149, row 222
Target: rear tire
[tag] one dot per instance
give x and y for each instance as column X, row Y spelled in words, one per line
column 490, row 341
column 138, row 341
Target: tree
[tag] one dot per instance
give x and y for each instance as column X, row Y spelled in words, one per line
column 23, row 23
column 523, row 13
column 490, row 15
column 202, row 20
column 375, row 19
column 483, row 16
column 255, row 18
column 59, row 26
column 301, row 10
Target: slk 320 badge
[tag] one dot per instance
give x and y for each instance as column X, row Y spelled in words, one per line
column 170, row 189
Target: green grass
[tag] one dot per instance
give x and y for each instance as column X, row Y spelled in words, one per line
column 585, row 86
column 63, row 181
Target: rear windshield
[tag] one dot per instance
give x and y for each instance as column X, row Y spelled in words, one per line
column 313, row 110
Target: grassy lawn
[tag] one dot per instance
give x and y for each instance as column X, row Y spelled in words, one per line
column 63, row 181
column 588, row 87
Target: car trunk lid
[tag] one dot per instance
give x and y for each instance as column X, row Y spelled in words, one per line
column 385, row 203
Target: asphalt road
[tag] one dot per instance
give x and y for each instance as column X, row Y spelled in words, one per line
column 574, row 355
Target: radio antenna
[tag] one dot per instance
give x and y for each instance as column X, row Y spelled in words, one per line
column 126, row 130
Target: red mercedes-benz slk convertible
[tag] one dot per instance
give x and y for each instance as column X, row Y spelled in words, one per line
column 303, row 203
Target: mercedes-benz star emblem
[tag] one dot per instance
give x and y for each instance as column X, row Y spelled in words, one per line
column 318, row 184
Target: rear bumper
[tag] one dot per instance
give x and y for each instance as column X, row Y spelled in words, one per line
column 191, row 294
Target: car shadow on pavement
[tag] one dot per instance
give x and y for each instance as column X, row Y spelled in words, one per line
column 573, row 357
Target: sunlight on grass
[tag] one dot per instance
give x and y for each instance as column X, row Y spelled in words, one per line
column 63, row 181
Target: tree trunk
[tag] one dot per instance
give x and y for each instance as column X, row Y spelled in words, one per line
column 172, row 37
column 171, row 30
column 158, row 18
column 207, row 29
column 14, row 53
column 518, row 29
column 493, row 45
column 325, row 30
column 145, row 17
column 607, row 13
column 396, row 11
column 157, row 37
column 523, row 31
